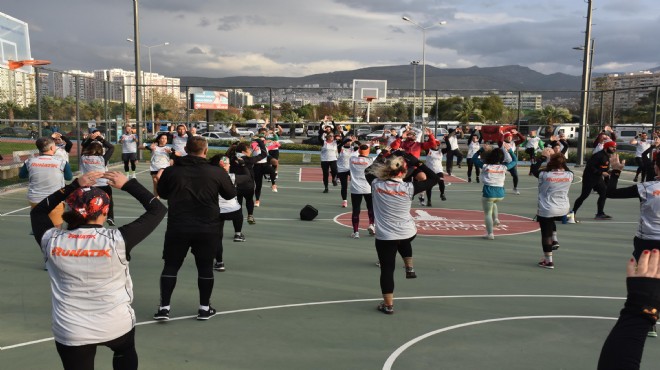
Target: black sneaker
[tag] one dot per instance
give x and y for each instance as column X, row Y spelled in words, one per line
column 205, row 315
column 251, row 220
column 334, row 182
column 443, row 197
column 653, row 333
column 239, row 237
column 410, row 273
column 325, row 190
column 469, row 179
column 555, row 246
column 478, row 180
column 219, row 266
column 110, row 222
column 388, row 310
column 602, row 216
column 635, row 179
column 428, row 204
column 162, row 314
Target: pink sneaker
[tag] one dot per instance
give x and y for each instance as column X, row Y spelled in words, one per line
column 344, row 203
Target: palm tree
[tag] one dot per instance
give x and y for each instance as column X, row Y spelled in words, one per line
column 10, row 107
column 467, row 112
column 550, row 115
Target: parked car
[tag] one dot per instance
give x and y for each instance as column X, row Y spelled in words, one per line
column 17, row 132
column 244, row 133
column 219, row 135
column 375, row 135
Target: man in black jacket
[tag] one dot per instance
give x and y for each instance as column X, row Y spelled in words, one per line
column 595, row 170
column 191, row 187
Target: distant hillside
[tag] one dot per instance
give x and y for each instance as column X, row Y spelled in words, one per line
column 506, row 78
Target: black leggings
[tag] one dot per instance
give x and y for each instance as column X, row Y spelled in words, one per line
column 259, row 170
column 548, row 226
column 328, row 167
column 386, row 250
column 450, row 159
column 82, row 357
column 592, row 182
column 236, row 218
column 470, row 164
column 441, row 185
column 203, row 247
column 514, row 176
column 343, row 181
column 356, row 202
column 248, row 194
column 641, row 169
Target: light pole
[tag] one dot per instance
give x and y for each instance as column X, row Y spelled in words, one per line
column 414, row 63
column 407, row 19
column 584, row 95
column 590, row 73
column 151, row 88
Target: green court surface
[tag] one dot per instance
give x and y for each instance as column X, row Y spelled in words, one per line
column 303, row 295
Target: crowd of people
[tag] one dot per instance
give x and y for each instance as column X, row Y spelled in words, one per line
column 202, row 193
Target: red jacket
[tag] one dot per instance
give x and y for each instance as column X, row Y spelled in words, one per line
column 415, row 148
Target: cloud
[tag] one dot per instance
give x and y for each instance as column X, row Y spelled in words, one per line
column 196, row 50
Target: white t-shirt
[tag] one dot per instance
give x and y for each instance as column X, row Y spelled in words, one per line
column 434, row 160
column 329, row 151
column 90, row 283
column 343, row 161
column 553, row 193
column 160, row 158
column 94, row 163
column 46, row 175
column 128, row 143
column 649, row 222
column 391, row 200
column 359, row 183
column 493, row 174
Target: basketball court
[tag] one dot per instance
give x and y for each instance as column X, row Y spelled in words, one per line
column 303, row 294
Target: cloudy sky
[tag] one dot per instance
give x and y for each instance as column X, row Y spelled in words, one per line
column 219, row 38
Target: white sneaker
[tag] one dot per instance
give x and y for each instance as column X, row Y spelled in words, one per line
column 372, row 229
column 570, row 218
column 516, row 191
column 422, row 201
column 344, row 203
column 134, row 176
column 355, row 235
column 274, row 188
column 489, row 236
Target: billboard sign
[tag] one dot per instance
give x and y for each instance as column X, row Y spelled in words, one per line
column 14, row 42
column 210, row 100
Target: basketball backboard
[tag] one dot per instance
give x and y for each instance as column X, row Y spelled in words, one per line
column 376, row 89
column 14, row 42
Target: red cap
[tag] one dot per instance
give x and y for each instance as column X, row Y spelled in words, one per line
column 609, row 144
column 508, row 134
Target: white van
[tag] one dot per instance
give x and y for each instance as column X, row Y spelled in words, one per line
column 571, row 130
column 627, row 131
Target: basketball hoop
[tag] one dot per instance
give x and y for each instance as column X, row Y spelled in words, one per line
column 15, row 64
column 369, row 99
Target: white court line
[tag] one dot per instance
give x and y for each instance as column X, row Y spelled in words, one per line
column 390, row 360
column 14, row 211
column 23, row 344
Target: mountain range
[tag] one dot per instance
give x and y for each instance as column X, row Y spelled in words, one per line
column 505, row 78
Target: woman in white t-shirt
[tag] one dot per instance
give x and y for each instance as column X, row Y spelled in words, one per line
column 360, row 188
column 553, row 204
column 395, row 226
column 161, row 153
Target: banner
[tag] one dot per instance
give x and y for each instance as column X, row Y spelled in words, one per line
column 210, row 100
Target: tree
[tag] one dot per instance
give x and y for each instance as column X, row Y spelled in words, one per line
column 550, row 115
column 9, row 109
column 467, row 112
column 249, row 114
column 492, row 108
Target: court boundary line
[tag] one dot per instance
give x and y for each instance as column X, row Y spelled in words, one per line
column 393, row 357
column 294, row 305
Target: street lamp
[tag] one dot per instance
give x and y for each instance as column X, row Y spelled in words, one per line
column 590, row 73
column 153, row 124
column 414, row 63
column 407, row 19
column 584, row 94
